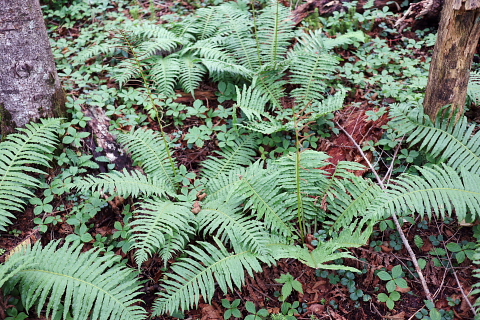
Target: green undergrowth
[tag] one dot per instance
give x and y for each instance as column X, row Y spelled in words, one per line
column 262, row 190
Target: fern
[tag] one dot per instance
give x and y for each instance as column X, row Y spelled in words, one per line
column 191, row 73
column 196, row 276
column 240, row 154
column 325, row 251
column 451, row 142
column 165, row 73
column 474, row 87
column 124, row 184
column 274, row 32
column 225, row 221
column 439, row 189
column 21, row 150
column 149, row 149
column 93, row 286
column 156, row 223
column 268, row 204
column 309, row 72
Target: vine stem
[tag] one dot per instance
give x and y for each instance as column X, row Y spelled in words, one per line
column 152, row 101
column 428, row 295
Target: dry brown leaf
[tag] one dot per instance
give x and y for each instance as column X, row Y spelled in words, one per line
column 210, row 313
column 397, row 316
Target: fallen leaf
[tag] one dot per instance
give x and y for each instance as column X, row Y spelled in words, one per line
column 397, row 316
column 316, row 308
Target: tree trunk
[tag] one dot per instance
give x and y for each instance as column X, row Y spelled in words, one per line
column 29, row 84
column 457, row 40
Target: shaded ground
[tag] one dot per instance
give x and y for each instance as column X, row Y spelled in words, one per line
column 327, row 295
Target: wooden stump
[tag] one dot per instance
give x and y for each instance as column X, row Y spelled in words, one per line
column 457, row 40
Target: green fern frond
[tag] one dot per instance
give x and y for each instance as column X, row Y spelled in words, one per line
column 223, row 187
column 196, row 276
column 225, row 221
column 154, row 222
column 164, row 74
column 33, row 146
column 274, row 32
column 149, row 150
column 257, row 189
column 301, row 172
column 126, row 71
column 191, row 73
column 125, row 184
column 349, row 198
column 207, row 22
column 156, row 47
column 173, row 244
column 92, row 285
column 474, row 86
column 326, row 251
column 239, row 41
column 439, row 189
column 252, row 101
column 476, row 274
column 450, row 141
column 240, row 154
column 13, row 265
column 301, row 176
column 309, row 71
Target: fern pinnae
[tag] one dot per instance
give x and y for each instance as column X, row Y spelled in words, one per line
column 440, row 189
column 125, row 184
column 18, row 150
column 229, row 225
column 196, row 275
column 240, row 154
column 452, row 142
column 274, row 208
column 164, row 74
column 94, row 286
column 154, row 222
column 152, row 151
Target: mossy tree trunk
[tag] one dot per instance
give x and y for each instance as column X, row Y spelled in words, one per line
column 457, row 40
column 29, row 84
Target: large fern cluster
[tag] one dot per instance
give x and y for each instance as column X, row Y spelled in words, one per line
column 22, row 154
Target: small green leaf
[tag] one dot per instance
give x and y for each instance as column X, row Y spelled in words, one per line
column 402, row 283
column 235, row 303
column 395, row 295
column 390, row 304
column 391, row 286
column 297, row 285
column 225, row 302
column 460, row 256
column 397, row 271
column 384, row 275
column 422, row 263
column 250, row 306
column 435, row 314
column 86, row 237
column 382, row 297
column 454, row 247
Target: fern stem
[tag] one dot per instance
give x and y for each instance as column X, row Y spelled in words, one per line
column 255, row 31
column 300, row 209
column 152, row 101
column 428, row 295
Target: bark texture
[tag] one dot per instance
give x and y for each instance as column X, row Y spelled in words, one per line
column 457, row 40
column 29, row 84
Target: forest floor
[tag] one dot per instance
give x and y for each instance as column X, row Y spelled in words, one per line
column 326, row 295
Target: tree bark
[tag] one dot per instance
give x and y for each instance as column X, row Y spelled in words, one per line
column 457, row 40
column 29, row 84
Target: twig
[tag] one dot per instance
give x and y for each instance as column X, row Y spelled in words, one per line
column 457, row 280
column 428, row 295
